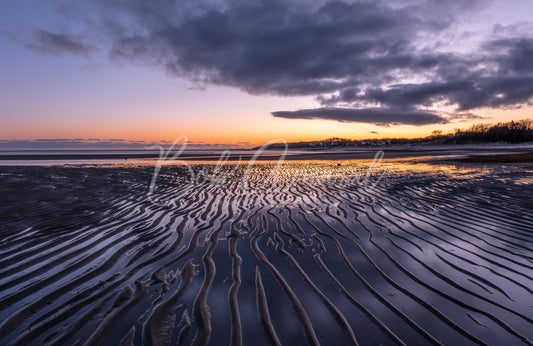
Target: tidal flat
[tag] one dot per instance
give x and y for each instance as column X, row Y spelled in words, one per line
column 332, row 252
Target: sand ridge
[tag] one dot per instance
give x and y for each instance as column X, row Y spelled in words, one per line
column 430, row 254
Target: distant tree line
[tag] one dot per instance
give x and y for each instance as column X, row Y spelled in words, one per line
column 513, row 131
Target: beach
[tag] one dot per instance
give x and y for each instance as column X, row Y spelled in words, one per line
column 411, row 249
column 334, row 172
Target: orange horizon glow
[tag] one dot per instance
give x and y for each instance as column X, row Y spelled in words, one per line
column 245, row 135
column 252, row 125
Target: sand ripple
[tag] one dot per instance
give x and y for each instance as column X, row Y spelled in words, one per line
column 430, row 255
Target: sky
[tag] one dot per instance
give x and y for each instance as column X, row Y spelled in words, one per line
column 236, row 73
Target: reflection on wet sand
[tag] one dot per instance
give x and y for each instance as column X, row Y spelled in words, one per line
column 311, row 252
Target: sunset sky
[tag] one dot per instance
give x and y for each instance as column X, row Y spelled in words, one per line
column 241, row 73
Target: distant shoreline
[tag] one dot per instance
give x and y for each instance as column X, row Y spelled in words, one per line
column 391, row 152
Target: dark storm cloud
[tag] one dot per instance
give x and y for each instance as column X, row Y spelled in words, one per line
column 509, row 82
column 378, row 116
column 349, row 55
column 56, row 43
column 519, row 57
column 275, row 47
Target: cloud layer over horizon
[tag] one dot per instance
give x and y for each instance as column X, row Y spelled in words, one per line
column 364, row 61
column 103, row 144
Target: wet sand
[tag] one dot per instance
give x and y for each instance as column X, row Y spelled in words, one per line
column 499, row 158
column 425, row 253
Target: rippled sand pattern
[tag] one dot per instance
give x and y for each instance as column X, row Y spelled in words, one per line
column 431, row 254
